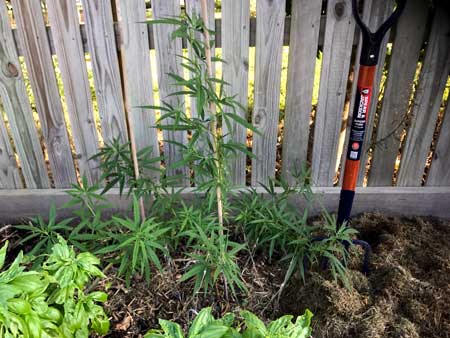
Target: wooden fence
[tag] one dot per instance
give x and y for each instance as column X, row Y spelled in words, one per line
column 47, row 138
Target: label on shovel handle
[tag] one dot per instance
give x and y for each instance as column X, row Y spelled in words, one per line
column 358, row 128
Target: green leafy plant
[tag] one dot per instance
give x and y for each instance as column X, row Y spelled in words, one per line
column 275, row 225
column 117, row 166
column 334, row 247
column 51, row 302
column 206, row 326
column 184, row 221
column 44, row 234
column 280, row 328
column 214, row 255
column 208, row 150
column 87, row 198
column 136, row 244
column 267, row 221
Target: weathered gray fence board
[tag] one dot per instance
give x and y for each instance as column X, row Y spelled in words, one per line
column 137, row 73
column 408, row 41
column 167, row 50
column 375, row 12
column 305, row 26
column 339, row 35
column 269, row 39
column 9, row 173
column 105, row 65
column 433, row 78
column 17, row 107
column 439, row 174
column 425, row 201
column 63, row 17
column 30, row 21
column 235, row 36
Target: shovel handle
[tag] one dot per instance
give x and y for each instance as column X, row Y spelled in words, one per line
column 370, row 51
column 372, row 40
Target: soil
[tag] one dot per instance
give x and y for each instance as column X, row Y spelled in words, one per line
column 406, row 294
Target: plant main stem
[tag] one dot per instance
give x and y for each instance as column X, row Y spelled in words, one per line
column 213, row 124
column 135, row 164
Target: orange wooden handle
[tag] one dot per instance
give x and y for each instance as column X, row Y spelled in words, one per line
column 360, row 115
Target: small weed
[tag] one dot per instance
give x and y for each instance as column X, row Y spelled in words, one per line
column 44, row 235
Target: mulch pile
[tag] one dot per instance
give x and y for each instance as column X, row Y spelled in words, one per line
column 406, row 295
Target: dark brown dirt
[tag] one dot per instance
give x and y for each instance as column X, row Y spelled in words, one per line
column 407, row 294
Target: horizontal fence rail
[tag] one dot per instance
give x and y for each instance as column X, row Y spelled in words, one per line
column 398, row 201
column 151, row 37
column 73, row 70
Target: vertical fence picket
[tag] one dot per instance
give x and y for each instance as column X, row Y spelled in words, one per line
column 63, row 17
column 9, row 173
column 105, row 65
column 137, row 74
column 433, row 78
column 235, row 41
column 374, row 14
column 339, row 36
column 269, row 41
column 305, row 25
column 17, row 106
column 410, row 30
column 439, row 174
column 36, row 50
column 167, row 50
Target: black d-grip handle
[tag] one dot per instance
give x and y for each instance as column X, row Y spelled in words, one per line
column 372, row 40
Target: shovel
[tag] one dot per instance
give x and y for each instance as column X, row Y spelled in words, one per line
column 371, row 43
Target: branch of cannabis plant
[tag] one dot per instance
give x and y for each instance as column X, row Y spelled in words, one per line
column 216, row 133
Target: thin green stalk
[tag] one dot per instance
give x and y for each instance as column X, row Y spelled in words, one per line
column 216, row 132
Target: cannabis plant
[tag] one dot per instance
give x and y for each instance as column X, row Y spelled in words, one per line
column 43, row 234
column 275, row 225
column 214, row 256
column 86, row 199
column 333, row 245
column 117, row 167
column 208, row 149
column 136, row 244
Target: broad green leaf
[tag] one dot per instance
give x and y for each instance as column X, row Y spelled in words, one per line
column 253, row 324
column 203, row 319
column 212, row 331
column 3, row 254
column 172, row 330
